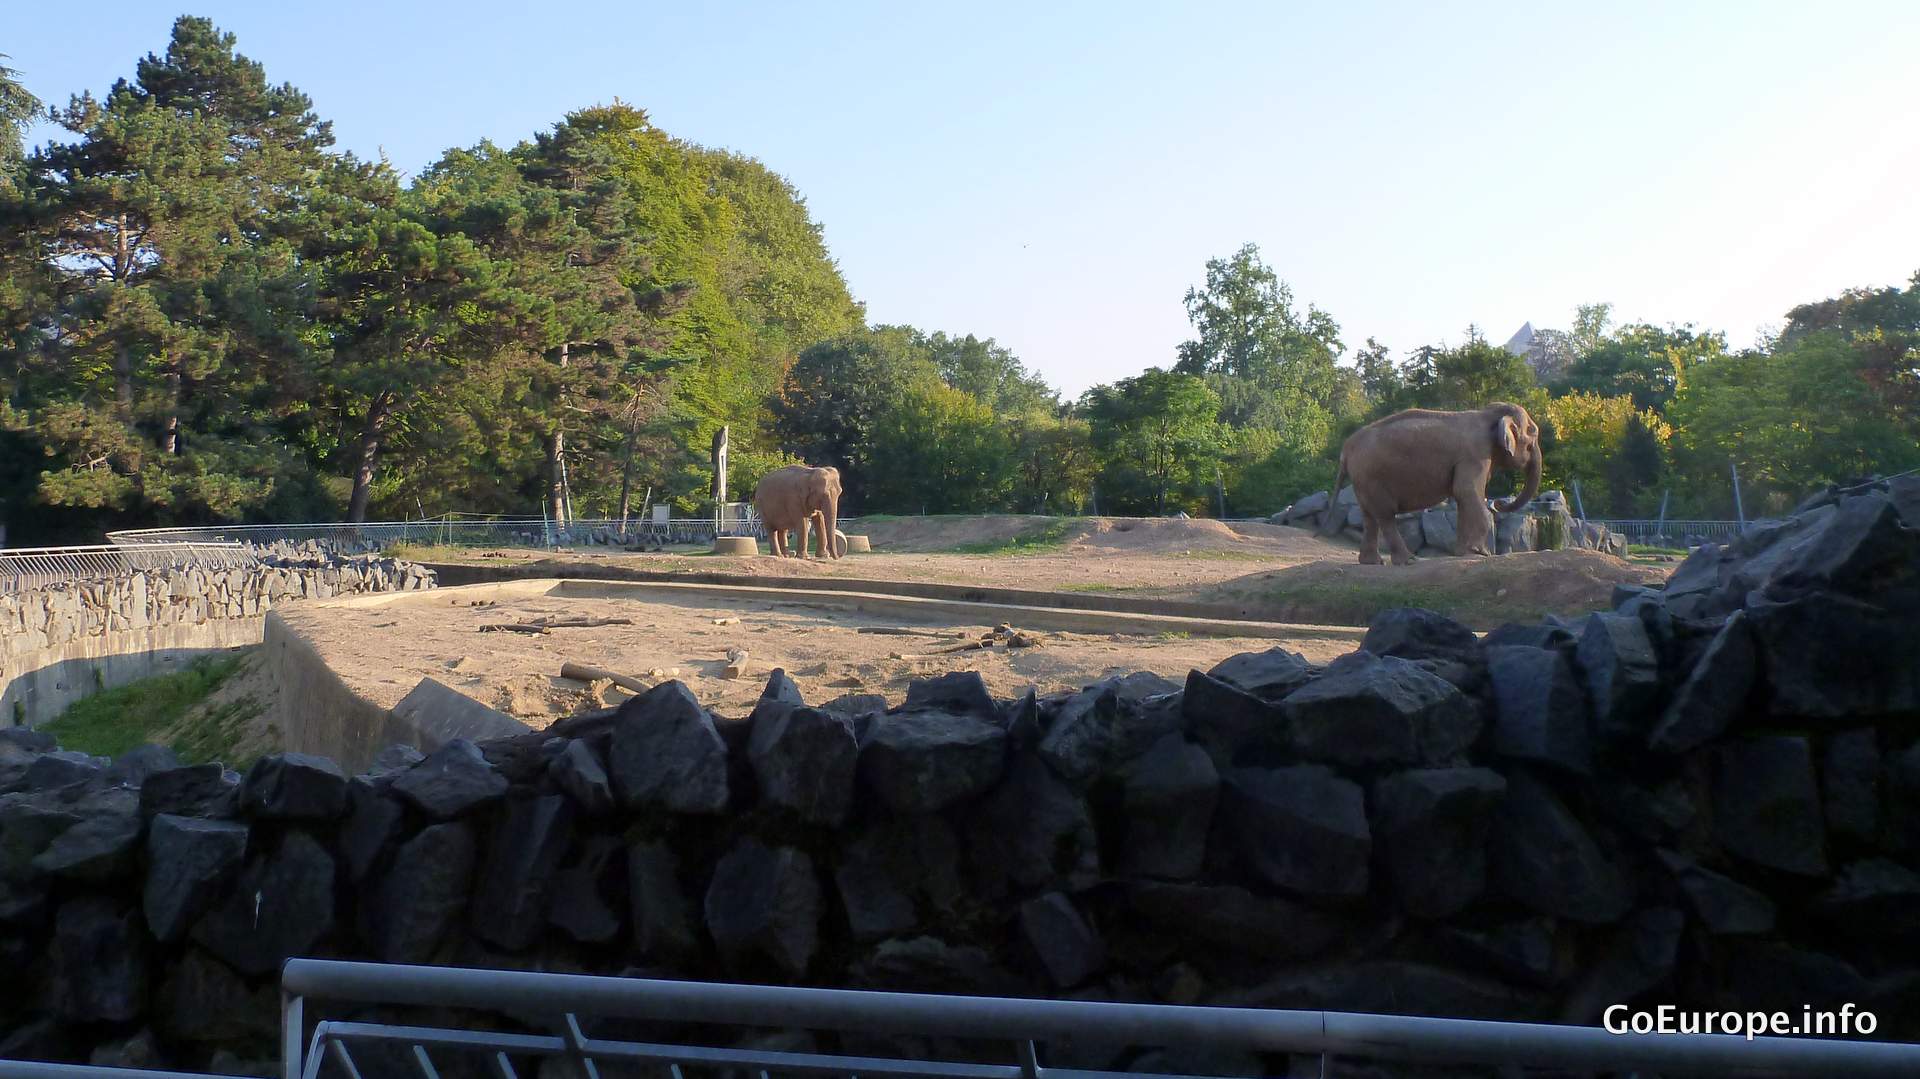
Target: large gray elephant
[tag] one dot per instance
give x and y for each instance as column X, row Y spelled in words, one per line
column 1419, row 458
column 798, row 498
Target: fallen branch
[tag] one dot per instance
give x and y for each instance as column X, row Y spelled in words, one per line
column 736, row 663
column 544, row 624
column 513, row 627
column 580, row 672
column 903, row 631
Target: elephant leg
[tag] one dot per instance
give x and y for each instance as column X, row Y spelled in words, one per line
column 1369, row 538
column 774, row 537
column 1381, row 515
column 1474, row 528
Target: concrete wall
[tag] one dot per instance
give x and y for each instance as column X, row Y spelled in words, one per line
column 63, row 642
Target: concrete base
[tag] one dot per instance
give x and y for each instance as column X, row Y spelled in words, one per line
column 859, row 545
column 736, row 545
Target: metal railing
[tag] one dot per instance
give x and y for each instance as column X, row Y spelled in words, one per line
column 1028, row 1030
column 452, row 532
column 31, row 567
column 1650, row 530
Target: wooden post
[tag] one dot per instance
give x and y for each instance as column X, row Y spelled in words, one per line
column 1739, row 511
column 1579, row 507
column 1661, row 529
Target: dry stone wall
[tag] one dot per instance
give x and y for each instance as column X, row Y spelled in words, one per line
column 1708, row 796
column 1546, row 525
column 62, row 641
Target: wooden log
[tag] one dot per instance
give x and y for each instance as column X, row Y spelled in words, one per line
column 580, row 672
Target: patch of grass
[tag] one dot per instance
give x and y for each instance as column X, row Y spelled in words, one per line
column 1042, row 536
column 1223, row 555
column 111, row 722
column 1641, row 548
column 1174, row 635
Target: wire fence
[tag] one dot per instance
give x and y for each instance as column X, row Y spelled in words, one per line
column 23, row 568
column 1675, row 533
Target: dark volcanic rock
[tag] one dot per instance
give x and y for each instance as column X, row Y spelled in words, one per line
column 295, row 786
column 1236, row 920
column 102, row 846
column 1096, row 731
column 1169, row 800
column 577, row 771
column 100, row 959
column 804, row 759
column 1637, row 957
column 922, row 762
column 1417, row 633
column 580, row 905
column 1540, row 712
column 667, row 753
column 199, row 790
column 1724, row 905
column 1875, row 899
column 422, row 897
column 1389, row 711
column 1301, row 828
column 964, row 692
column 1828, row 656
column 1430, row 827
column 29, row 823
column 509, row 905
column 1069, row 949
column 764, row 903
column 1225, row 719
column 1392, row 986
column 1715, row 691
column 663, row 930
column 60, row 768
column 1617, row 661
column 931, row 965
column 282, row 906
column 1032, row 831
column 1766, row 806
column 374, row 821
column 452, row 781
column 1268, row 675
column 202, row 1000
column 132, row 768
column 1770, row 975
column 1524, row 950
column 188, row 861
column 889, row 873
column 1543, row 634
column 1850, row 783
column 1544, row 858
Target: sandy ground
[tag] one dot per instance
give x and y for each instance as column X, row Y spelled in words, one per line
column 1270, row 572
column 384, row 651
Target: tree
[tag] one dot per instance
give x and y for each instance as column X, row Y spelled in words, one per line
column 1053, row 458
column 1614, row 449
column 1156, row 435
column 1471, row 375
column 943, row 454
column 1378, row 375
column 836, row 394
column 1644, row 361
column 988, row 372
column 1270, row 365
column 18, row 108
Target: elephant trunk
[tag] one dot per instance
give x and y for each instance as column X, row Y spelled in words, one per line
column 1519, row 502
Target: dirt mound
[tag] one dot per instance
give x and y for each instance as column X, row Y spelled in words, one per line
column 1482, row 592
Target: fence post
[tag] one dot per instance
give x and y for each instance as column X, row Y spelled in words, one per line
column 1739, row 511
column 1661, row 529
column 1578, row 506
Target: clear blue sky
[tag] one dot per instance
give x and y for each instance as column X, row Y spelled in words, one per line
column 1056, row 175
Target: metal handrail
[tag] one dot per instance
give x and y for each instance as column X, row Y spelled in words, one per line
column 1022, row 1022
column 32, row 567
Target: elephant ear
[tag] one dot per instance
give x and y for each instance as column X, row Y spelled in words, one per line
column 1507, row 435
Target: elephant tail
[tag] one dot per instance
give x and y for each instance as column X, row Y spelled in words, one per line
column 1329, row 524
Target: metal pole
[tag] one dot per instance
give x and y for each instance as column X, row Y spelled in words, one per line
column 1661, row 529
column 1579, row 507
column 1739, row 511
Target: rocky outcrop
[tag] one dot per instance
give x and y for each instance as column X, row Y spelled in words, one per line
column 1545, row 525
column 1672, row 802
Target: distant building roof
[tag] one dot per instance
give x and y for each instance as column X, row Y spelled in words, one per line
column 1521, row 342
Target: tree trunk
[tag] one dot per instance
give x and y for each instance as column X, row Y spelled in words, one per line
column 556, row 446
column 170, row 435
column 367, row 460
column 123, row 379
column 626, row 474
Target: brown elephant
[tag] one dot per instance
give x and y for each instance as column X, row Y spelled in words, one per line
column 796, row 498
column 1419, row 458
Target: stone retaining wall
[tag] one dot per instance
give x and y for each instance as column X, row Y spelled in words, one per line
column 65, row 641
column 1544, row 526
column 1707, row 797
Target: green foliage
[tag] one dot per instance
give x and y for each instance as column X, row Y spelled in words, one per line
column 170, row 709
column 18, row 108
column 942, row 452
column 1157, row 441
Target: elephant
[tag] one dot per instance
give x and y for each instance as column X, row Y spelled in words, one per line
column 793, row 500
column 1418, row 458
